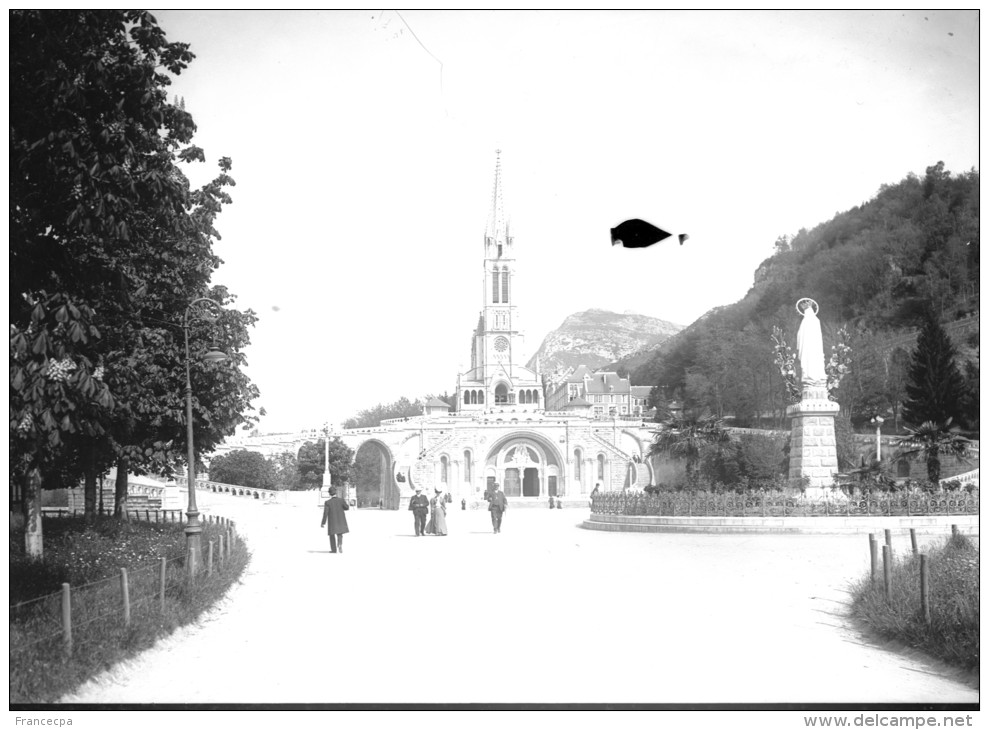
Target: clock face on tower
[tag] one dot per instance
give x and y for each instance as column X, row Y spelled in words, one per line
column 501, row 347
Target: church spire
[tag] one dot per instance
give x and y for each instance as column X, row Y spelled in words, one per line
column 497, row 228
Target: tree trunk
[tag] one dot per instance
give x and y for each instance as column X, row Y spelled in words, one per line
column 89, row 488
column 120, row 490
column 933, row 466
column 33, row 542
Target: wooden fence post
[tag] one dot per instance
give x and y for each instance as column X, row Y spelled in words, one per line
column 209, row 559
column 221, row 549
column 954, row 530
column 161, row 583
column 913, row 540
column 873, row 556
column 889, row 539
column 66, row 620
column 125, row 592
column 925, row 590
column 888, row 570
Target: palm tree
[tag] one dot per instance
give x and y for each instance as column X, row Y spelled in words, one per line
column 685, row 437
column 933, row 439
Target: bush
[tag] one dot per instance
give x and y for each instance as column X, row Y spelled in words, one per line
column 953, row 635
column 763, row 456
column 89, row 556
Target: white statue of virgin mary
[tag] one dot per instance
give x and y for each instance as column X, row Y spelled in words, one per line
column 810, row 345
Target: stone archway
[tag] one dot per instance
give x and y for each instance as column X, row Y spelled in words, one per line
column 374, row 483
column 523, row 462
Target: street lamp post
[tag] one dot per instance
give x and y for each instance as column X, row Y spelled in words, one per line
column 878, row 420
column 327, row 479
column 193, row 527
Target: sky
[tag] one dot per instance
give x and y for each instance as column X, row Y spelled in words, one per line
column 363, row 146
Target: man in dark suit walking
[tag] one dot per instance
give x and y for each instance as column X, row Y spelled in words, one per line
column 497, row 507
column 419, row 506
column 335, row 520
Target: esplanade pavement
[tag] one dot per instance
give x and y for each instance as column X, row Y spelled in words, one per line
column 544, row 612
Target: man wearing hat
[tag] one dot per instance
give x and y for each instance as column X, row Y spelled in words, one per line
column 335, row 520
column 419, row 506
column 497, row 507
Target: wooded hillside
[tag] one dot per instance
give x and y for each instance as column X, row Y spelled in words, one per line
column 874, row 270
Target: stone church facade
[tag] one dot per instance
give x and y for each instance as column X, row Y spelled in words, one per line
column 499, row 431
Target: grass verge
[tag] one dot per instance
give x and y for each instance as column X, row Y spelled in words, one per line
column 953, row 633
column 88, row 555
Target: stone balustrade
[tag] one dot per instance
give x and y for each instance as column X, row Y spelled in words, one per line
column 204, row 485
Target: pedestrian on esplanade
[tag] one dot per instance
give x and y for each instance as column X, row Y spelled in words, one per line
column 438, row 517
column 335, row 520
column 419, row 506
column 497, row 507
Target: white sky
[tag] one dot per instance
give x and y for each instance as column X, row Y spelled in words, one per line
column 364, row 161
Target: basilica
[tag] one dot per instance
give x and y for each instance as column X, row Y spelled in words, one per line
column 500, row 429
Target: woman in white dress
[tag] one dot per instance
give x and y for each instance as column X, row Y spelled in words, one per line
column 437, row 517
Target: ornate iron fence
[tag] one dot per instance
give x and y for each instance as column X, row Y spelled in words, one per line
column 761, row 504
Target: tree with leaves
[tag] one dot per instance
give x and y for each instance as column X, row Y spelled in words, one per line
column 108, row 245
column 285, row 467
column 243, row 468
column 312, row 462
column 687, row 436
column 932, row 440
column 934, row 383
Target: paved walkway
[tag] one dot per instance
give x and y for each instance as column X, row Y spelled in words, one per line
column 543, row 612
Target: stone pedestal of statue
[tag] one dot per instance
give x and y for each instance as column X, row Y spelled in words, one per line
column 813, row 453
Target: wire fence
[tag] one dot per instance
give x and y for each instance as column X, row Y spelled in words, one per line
column 161, row 516
column 694, row 504
column 79, row 618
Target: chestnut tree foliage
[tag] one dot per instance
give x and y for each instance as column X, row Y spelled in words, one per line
column 109, row 244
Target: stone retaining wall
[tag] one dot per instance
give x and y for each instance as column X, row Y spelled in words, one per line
column 932, row 524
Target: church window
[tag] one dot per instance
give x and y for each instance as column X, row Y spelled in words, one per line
column 504, row 287
column 468, row 465
column 499, row 250
column 600, row 466
column 480, row 397
column 444, row 469
column 494, row 286
column 577, row 460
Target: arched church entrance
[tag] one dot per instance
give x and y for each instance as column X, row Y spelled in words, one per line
column 526, row 464
column 530, row 483
column 374, row 485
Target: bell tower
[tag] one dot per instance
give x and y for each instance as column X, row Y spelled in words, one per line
column 499, row 343
column 497, row 377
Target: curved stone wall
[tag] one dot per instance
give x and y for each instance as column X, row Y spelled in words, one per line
column 837, row 525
